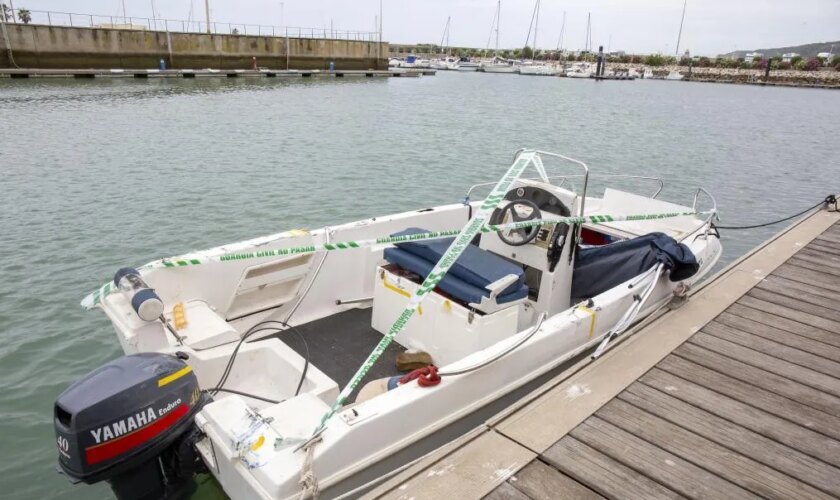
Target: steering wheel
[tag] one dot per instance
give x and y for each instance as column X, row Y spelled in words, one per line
column 520, row 210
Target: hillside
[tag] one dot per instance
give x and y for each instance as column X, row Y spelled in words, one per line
column 807, row 50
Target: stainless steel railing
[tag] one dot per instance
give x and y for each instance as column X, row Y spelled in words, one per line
column 76, row 20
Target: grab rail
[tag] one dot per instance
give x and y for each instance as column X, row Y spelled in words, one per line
column 594, row 176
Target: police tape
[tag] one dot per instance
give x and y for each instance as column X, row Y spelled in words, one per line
column 184, row 261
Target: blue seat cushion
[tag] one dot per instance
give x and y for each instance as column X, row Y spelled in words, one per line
column 475, row 266
column 452, row 285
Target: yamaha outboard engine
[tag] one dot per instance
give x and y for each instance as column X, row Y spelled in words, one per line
column 130, row 422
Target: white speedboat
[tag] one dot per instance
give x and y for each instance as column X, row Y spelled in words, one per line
column 444, row 64
column 394, row 62
column 466, row 65
column 273, row 363
column 499, row 65
column 674, row 75
column 538, row 70
column 579, row 70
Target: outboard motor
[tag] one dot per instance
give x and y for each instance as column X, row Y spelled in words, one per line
column 130, row 423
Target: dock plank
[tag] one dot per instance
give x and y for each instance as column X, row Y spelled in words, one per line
column 787, row 286
column 800, row 342
column 824, row 261
column 779, row 322
column 779, row 308
column 803, row 306
column 540, row 481
column 750, row 417
column 773, row 348
column 824, row 247
column 506, row 492
column 769, row 363
column 819, row 257
column 601, row 473
column 744, row 372
column 743, row 471
column 830, row 272
column 651, row 461
column 807, row 276
column 829, row 238
column 735, row 437
column 767, row 400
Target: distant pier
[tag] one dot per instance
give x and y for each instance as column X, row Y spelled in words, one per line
column 207, row 73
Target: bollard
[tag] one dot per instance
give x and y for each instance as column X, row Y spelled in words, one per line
column 254, row 62
column 162, row 65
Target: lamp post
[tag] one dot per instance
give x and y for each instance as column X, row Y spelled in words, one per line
column 207, row 14
column 281, row 13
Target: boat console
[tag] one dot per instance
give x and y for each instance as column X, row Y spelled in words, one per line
column 495, row 289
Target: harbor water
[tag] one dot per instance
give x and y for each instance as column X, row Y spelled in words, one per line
column 100, row 174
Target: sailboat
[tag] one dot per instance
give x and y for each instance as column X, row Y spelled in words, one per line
column 446, row 62
column 305, row 361
column 675, row 73
column 498, row 64
column 532, row 67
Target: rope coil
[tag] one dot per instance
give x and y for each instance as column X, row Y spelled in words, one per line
column 426, row 376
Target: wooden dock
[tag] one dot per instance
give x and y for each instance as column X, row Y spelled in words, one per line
column 207, row 73
column 735, row 394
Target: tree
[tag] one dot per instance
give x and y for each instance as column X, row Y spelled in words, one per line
column 835, row 60
column 704, row 62
column 6, row 13
column 527, row 52
column 799, row 65
column 784, row 65
column 24, row 15
column 795, row 60
column 813, row 64
column 654, row 60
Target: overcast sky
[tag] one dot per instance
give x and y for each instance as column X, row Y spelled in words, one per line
column 711, row 26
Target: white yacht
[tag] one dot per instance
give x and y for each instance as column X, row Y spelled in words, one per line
column 579, row 70
column 302, row 362
column 539, row 69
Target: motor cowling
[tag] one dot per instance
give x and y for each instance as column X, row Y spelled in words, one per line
column 118, row 422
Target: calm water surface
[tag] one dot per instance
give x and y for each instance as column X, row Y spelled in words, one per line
column 96, row 175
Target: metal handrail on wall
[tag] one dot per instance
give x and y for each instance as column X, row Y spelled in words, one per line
column 74, row 20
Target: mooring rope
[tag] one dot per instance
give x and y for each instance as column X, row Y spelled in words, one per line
column 829, row 200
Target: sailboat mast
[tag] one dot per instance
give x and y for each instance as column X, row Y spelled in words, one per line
column 444, row 39
column 536, row 25
column 562, row 33
column 588, row 24
column 679, row 36
column 498, row 22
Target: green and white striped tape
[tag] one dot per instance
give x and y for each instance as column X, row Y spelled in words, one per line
column 96, row 297
column 461, row 242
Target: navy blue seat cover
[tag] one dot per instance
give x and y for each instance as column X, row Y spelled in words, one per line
column 466, row 279
column 598, row 269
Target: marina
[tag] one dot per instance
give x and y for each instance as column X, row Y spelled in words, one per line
column 733, row 394
column 467, row 285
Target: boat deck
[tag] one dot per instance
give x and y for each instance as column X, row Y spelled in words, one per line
column 735, row 394
column 338, row 343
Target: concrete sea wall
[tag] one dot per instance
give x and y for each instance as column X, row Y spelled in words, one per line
column 39, row 46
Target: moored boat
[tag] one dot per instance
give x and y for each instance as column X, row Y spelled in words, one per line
column 275, row 362
column 538, row 70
